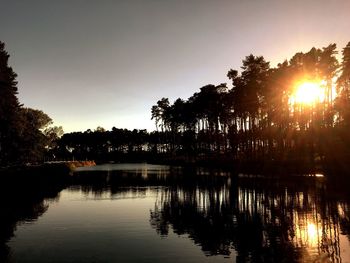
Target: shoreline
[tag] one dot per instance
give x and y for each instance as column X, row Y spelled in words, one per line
column 270, row 168
column 53, row 168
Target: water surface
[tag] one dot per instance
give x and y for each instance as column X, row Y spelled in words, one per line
column 151, row 213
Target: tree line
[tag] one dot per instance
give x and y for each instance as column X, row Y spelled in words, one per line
column 259, row 117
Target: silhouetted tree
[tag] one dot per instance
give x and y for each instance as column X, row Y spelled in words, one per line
column 25, row 134
column 36, row 135
column 343, row 89
column 258, row 120
column 9, row 110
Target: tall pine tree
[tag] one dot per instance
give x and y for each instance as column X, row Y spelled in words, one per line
column 9, row 109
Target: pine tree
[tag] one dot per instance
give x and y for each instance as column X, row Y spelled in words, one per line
column 343, row 87
column 9, row 109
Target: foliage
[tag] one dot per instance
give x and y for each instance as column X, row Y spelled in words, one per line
column 259, row 118
column 25, row 133
column 9, row 108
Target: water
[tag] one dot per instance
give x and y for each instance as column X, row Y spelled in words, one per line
column 151, row 213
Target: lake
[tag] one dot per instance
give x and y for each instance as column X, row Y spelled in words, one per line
column 157, row 213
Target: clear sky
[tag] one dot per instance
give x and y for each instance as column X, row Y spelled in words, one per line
column 105, row 63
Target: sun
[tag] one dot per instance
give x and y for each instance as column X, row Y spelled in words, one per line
column 308, row 92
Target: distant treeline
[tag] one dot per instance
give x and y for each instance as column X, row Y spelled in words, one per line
column 261, row 117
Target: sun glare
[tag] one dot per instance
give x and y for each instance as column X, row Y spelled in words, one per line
column 309, row 92
column 313, row 234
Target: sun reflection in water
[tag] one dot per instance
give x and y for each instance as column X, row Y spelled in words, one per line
column 312, row 234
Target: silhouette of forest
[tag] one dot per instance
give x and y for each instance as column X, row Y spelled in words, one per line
column 259, row 119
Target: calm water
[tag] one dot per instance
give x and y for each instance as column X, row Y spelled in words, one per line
column 151, row 213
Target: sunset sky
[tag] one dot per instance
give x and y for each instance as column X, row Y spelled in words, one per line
column 105, row 63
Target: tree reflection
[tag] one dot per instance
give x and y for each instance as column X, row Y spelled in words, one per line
column 22, row 200
column 262, row 220
column 249, row 219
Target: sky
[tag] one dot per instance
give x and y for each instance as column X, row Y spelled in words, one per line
column 90, row 63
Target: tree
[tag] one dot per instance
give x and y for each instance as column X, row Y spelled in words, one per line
column 25, row 134
column 36, row 134
column 160, row 113
column 9, row 109
column 52, row 134
column 343, row 88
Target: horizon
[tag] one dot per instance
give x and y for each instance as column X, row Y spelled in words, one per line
column 108, row 63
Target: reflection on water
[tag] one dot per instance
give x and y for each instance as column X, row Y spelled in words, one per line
column 22, row 203
column 169, row 215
